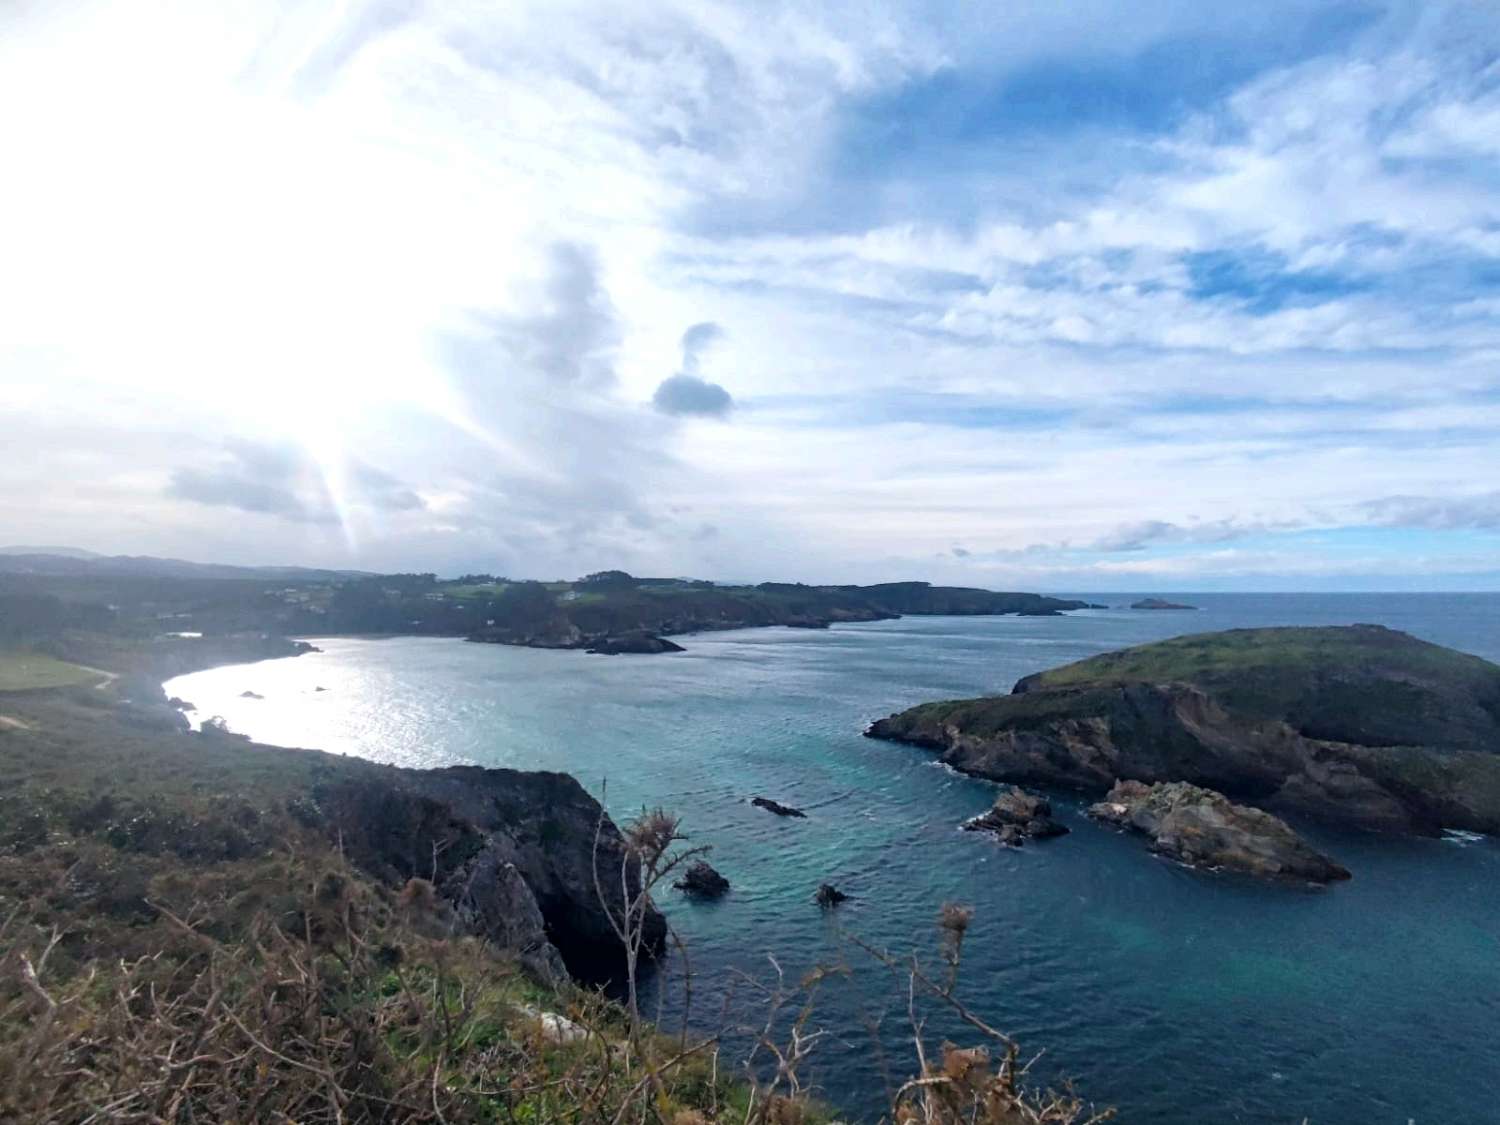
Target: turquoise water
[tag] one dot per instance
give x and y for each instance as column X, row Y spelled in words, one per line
column 1177, row 997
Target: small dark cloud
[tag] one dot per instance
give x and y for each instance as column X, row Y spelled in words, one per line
column 960, row 552
column 688, row 394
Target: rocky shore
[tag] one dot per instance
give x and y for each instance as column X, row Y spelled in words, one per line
column 1357, row 724
column 1201, row 828
column 1017, row 816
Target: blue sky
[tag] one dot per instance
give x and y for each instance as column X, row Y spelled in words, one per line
column 1092, row 296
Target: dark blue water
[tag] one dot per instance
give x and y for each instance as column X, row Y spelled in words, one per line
column 1176, row 996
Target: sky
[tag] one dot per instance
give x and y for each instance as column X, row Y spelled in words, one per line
column 1158, row 295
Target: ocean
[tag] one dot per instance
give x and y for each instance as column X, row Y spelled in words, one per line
column 1178, row 997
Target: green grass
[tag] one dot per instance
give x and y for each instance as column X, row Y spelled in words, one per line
column 473, row 590
column 1220, row 657
column 29, row 671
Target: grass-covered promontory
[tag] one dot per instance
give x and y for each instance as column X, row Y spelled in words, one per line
column 1356, row 723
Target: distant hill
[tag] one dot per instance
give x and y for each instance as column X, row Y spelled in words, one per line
column 67, row 562
column 61, row 552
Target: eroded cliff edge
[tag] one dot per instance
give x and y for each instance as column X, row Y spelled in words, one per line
column 1359, row 724
column 510, row 854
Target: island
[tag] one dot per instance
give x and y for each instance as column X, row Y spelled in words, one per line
column 1159, row 603
column 1357, row 724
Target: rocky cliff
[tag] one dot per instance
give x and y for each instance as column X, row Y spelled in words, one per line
column 1359, row 724
column 515, row 854
column 509, row 854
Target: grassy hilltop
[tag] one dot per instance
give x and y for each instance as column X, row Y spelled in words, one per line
column 1355, row 723
column 1361, row 684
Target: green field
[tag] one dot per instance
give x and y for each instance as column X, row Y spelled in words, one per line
column 26, row 671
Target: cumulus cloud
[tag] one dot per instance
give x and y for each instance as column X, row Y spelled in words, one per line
column 687, row 392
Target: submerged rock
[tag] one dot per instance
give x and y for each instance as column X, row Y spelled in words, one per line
column 1205, row 829
column 1017, row 816
column 702, row 880
column 828, row 895
column 776, row 807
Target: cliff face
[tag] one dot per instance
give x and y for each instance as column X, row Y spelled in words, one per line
column 507, row 849
column 1358, row 724
column 509, row 853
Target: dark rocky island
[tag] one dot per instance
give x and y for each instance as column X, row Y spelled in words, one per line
column 1159, row 603
column 777, row 807
column 1017, row 816
column 702, row 881
column 639, row 643
column 1202, row 828
column 1358, row 724
column 827, row 895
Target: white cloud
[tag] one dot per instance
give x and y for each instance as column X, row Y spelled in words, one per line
column 457, row 248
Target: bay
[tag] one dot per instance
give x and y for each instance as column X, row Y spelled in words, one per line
column 1176, row 996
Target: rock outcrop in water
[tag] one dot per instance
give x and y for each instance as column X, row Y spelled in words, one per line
column 1017, row 816
column 1159, row 603
column 638, row 642
column 702, row 881
column 777, row 807
column 1358, row 724
column 1202, row 828
column 827, row 895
